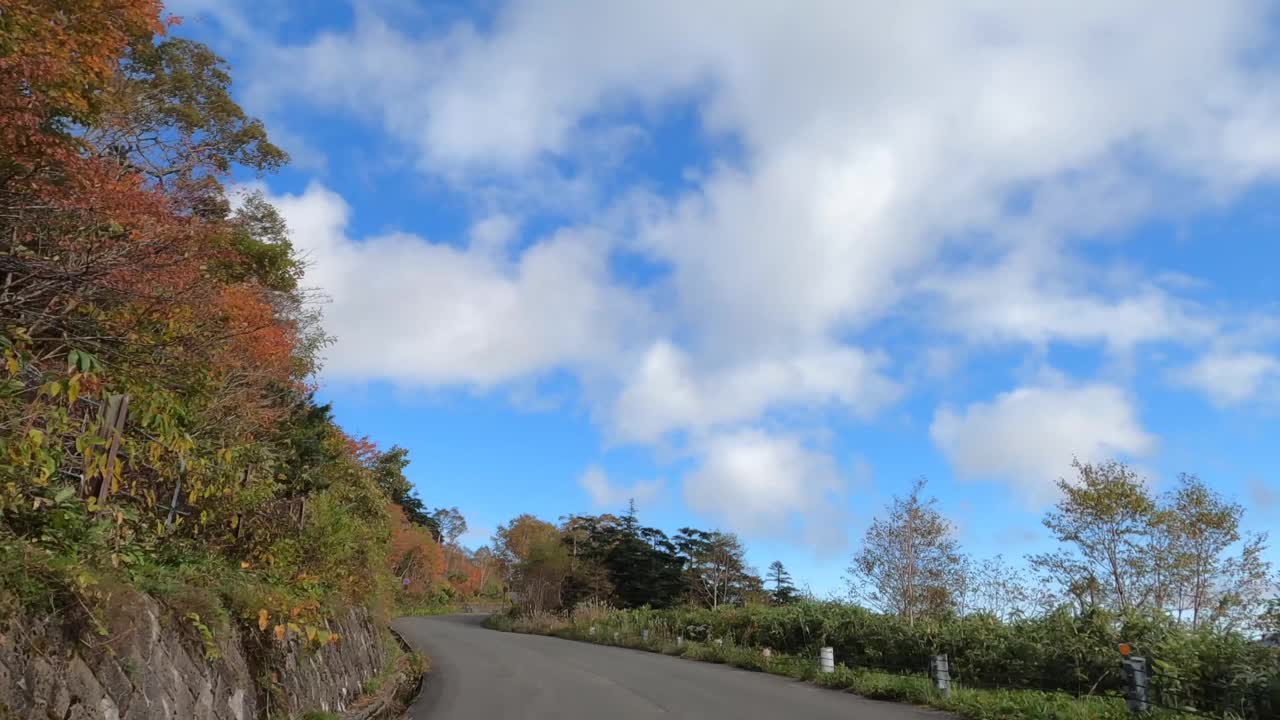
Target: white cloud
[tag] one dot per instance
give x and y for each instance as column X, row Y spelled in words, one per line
column 873, row 138
column 764, row 484
column 943, row 168
column 425, row 314
column 1028, row 436
column 1040, row 297
column 667, row 393
column 1232, row 377
column 606, row 494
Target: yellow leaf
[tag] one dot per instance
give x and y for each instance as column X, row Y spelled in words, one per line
column 280, row 633
column 73, row 389
column 311, row 633
column 262, row 619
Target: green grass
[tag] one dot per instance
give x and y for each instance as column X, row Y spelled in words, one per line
column 968, row 703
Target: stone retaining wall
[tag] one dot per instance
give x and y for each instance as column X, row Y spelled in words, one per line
column 153, row 665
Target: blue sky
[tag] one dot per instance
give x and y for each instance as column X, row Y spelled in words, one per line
column 762, row 266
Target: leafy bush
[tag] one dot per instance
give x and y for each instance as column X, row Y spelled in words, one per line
column 1057, row 655
column 157, row 428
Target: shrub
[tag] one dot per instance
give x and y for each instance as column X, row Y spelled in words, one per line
column 1057, row 655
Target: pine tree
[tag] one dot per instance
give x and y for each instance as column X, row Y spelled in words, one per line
column 784, row 591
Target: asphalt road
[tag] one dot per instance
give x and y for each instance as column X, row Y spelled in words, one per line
column 481, row 674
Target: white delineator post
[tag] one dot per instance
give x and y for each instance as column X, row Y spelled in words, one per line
column 941, row 671
column 644, row 634
column 827, row 660
column 679, row 641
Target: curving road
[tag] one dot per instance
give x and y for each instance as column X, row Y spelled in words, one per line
column 481, row 674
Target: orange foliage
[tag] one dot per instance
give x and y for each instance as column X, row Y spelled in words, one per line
column 466, row 578
column 54, row 59
column 364, row 449
column 103, row 261
column 414, row 556
column 257, row 339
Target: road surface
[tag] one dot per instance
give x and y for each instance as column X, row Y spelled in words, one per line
column 481, row 674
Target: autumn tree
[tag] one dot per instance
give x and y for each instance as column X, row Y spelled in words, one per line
column 907, row 562
column 537, row 560
column 514, row 540
column 414, row 556
column 1182, row 553
column 1103, row 519
column 53, row 75
column 168, row 115
column 488, row 571
column 156, row 348
column 1215, row 574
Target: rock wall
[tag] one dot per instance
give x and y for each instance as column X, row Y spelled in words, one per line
column 152, row 665
column 332, row 677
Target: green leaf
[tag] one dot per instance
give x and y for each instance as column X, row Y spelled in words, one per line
column 63, row 495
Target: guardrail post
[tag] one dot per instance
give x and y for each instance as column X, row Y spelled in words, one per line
column 827, row 660
column 941, row 672
column 1137, row 691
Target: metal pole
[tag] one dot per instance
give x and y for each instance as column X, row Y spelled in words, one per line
column 1135, row 672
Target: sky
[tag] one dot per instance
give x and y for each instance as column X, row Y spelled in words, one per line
column 760, row 265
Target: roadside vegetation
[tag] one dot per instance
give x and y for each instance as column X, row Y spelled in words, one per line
column 1170, row 576
column 159, row 431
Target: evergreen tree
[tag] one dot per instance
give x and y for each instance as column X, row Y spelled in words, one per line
column 784, row 591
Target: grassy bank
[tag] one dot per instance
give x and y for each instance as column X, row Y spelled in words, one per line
column 966, row 702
